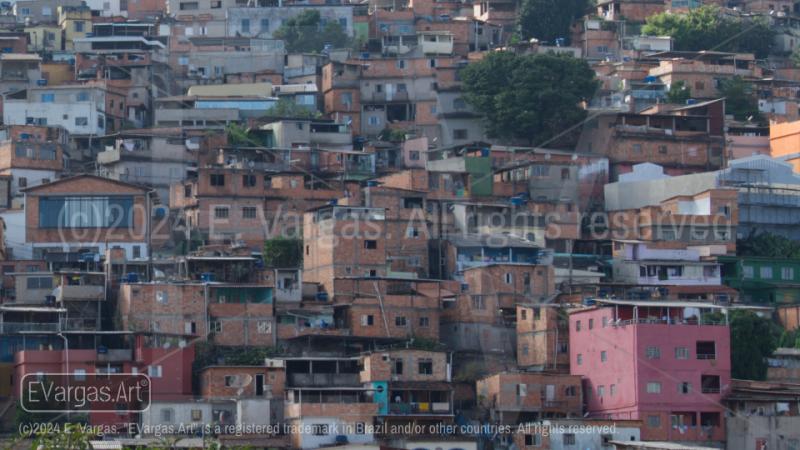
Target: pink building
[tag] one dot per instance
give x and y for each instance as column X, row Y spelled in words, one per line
column 167, row 360
column 665, row 363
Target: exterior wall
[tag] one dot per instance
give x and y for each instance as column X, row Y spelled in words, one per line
column 379, row 366
column 212, row 382
column 542, row 338
column 512, row 395
column 753, row 431
column 784, row 139
column 479, row 337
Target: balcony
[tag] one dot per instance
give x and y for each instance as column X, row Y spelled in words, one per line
column 323, row 379
column 80, row 293
column 295, row 410
column 409, row 409
column 18, row 327
column 115, row 355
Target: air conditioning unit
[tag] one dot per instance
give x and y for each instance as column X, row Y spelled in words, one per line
column 274, row 363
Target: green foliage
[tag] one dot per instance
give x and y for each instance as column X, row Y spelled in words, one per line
column 283, row 253
column 768, row 245
column 753, row 339
column 392, row 135
column 530, row 97
column 740, row 100
column 470, row 372
column 304, row 33
column 288, row 108
column 208, row 354
column 237, row 134
column 679, row 93
column 421, row 343
column 708, row 28
column 790, row 339
column 547, row 20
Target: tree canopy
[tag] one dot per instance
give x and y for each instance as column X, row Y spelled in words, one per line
column 753, row 339
column 740, row 101
column 531, row 97
column 305, row 33
column 283, row 253
column 679, row 92
column 768, row 245
column 548, row 20
column 708, row 28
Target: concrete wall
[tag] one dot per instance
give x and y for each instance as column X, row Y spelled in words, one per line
column 779, row 433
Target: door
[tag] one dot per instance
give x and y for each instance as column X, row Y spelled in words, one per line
column 260, row 384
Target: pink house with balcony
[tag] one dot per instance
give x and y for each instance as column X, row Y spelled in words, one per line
column 666, row 363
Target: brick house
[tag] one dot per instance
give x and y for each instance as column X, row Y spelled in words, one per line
column 89, row 212
column 517, row 397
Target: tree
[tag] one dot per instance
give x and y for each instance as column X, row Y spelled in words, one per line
column 679, row 93
column 740, row 100
column 528, row 97
column 708, row 28
column 305, row 33
column 753, row 339
column 281, row 252
column 548, row 20
column 288, row 108
column 768, row 245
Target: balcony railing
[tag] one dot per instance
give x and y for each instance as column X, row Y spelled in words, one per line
column 419, row 408
column 16, row 327
column 323, row 379
column 706, row 356
column 693, row 322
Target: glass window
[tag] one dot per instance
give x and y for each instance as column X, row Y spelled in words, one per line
column 86, row 212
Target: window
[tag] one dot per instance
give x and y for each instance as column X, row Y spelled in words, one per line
column 710, row 384
column 264, row 25
column 654, row 387
column 367, row 320
column 637, row 148
column 765, row 272
column 82, row 96
column 397, row 367
column 603, row 356
column 787, row 273
column 217, row 179
column 162, row 297
column 370, row 244
column 39, row 283
column 748, row 271
column 221, row 212
column 216, row 4
column 459, row 103
column 197, row 415
column 155, row 371
column 374, row 120
column 579, row 359
column 565, row 174
column 47, row 154
column 347, row 99
column 400, row 321
column 612, row 390
column 601, row 391
column 22, row 182
column 706, row 350
column 684, row 387
column 533, row 440
column 425, row 366
column 78, row 27
column 86, row 212
column 264, row 327
column 48, row 98
column 424, row 322
column 653, row 353
column 509, row 278
column 412, row 232
column 248, row 180
column 577, row 325
column 215, row 326
column 681, row 353
column 401, row 87
column 571, row 391
column 654, row 421
column 709, row 419
column 569, row 438
column 79, row 374
column 460, row 134
column 477, row 302
column 245, row 25
column 432, row 63
column 167, row 415
column 662, row 149
column 591, row 324
column 81, row 121
column 401, row 64
column 248, row 212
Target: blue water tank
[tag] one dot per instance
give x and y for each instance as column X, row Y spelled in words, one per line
column 41, row 82
column 132, row 277
column 691, row 101
column 206, row 277
column 322, row 296
column 650, row 79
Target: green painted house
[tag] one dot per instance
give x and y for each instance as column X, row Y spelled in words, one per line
column 761, row 279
